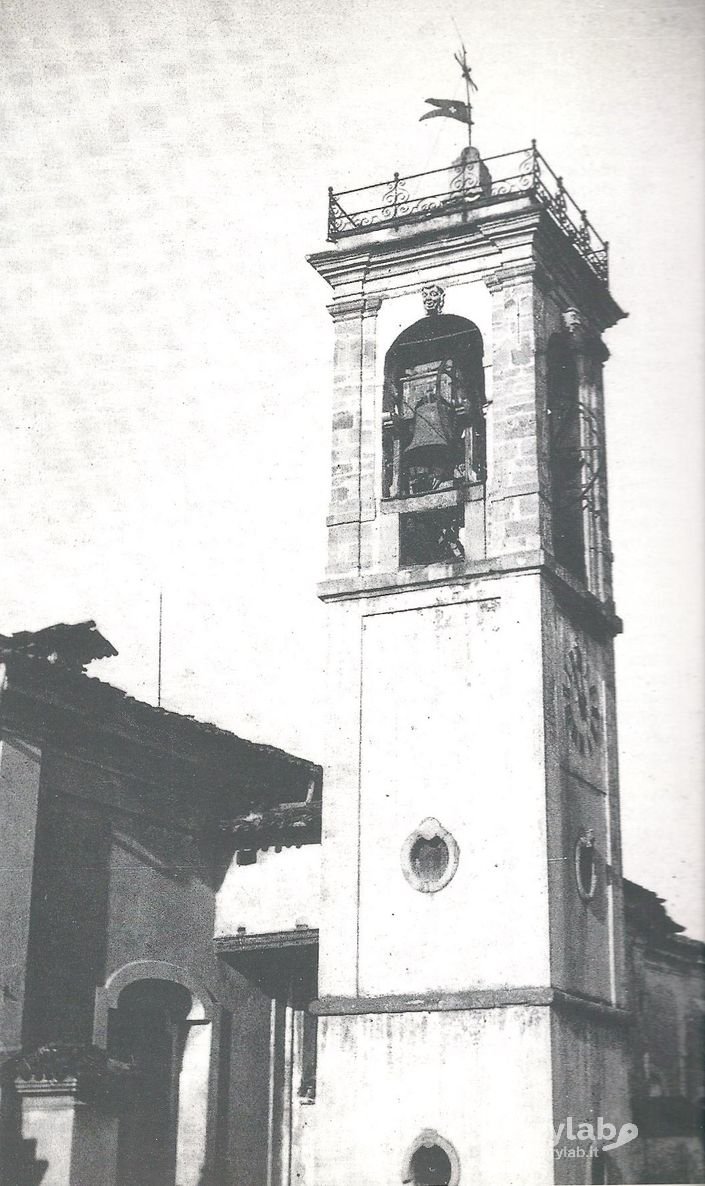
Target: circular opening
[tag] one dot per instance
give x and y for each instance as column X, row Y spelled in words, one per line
column 585, row 867
column 429, row 859
column 430, row 1166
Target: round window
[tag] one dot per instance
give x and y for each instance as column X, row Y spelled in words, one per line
column 586, row 865
column 429, row 857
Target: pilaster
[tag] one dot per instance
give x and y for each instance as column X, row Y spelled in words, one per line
column 518, row 520
column 354, row 439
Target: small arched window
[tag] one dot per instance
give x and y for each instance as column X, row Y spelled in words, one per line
column 565, row 456
column 431, row 1161
column 434, row 428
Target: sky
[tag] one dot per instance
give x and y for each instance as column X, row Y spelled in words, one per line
column 166, row 351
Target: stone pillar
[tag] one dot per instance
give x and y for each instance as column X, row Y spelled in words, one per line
column 354, row 444
column 517, row 510
column 69, row 1117
column 192, row 1121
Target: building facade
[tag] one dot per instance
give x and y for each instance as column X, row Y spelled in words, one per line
column 492, row 1003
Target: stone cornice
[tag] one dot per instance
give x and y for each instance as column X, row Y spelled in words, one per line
column 474, row 999
column 596, row 615
column 511, row 274
column 491, row 240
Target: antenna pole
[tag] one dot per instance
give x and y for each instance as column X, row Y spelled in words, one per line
column 159, row 652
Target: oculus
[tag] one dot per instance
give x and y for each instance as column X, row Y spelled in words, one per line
column 580, row 703
column 431, row 1161
column 429, row 857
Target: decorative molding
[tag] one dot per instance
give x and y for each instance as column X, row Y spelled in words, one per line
column 345, row 308
column 80, row 1071
column 373, row 304
column 581, row 605
column 286, row 824
column 351, row 308
column 509, row 275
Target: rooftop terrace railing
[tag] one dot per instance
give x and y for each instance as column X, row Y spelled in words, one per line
column 424, row 195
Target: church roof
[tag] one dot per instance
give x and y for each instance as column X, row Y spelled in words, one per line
column 48, row 697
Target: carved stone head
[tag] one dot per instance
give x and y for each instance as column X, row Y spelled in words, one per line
column 433, row 297
column 572, row 320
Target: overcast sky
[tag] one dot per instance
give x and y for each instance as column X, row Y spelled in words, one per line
column 166, row 352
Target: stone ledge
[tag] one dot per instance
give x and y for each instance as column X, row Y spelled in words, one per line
column 434, row 501
column 597, row 615
column 476, row 999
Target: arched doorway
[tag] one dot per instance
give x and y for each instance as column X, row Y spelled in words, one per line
column 159, row 1019
column 148, row 1031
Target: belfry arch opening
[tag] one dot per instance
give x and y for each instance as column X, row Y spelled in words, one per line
column 434, row 395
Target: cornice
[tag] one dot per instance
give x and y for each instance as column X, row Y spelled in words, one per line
column 470, row 1001
column 501, row 241
column 594, row 614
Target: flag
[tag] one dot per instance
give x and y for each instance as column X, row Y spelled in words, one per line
column 450, row 108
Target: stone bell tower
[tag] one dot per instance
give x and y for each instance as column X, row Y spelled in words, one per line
column 471, row 991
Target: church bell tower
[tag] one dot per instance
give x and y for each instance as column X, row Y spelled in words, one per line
column 471, row 992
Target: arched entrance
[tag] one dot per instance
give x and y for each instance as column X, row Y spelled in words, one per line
column 148, row 1030
column 152, row 1016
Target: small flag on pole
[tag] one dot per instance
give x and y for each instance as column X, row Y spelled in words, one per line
column 453, row 108
column 450, row 108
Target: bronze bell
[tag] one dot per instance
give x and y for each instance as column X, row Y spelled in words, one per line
column 432, row 444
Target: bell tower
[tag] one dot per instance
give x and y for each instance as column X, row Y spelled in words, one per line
column 471, row 990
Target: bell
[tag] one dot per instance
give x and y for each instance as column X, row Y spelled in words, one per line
column 431, row 444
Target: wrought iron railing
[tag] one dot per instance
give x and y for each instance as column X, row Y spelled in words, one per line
column 459, row 187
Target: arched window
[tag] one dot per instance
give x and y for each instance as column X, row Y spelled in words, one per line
column 434, row 428
column 566, row 457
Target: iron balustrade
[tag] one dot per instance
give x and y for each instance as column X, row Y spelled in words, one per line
column 461, row 186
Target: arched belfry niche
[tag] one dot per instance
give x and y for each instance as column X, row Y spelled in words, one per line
column 157, row 1020
column 433, row 432
column 434, row 398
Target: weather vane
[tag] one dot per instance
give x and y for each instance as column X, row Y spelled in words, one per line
column 455, row 108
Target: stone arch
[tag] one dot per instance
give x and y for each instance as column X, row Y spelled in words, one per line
column 183, row 1131
column 107, row 997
